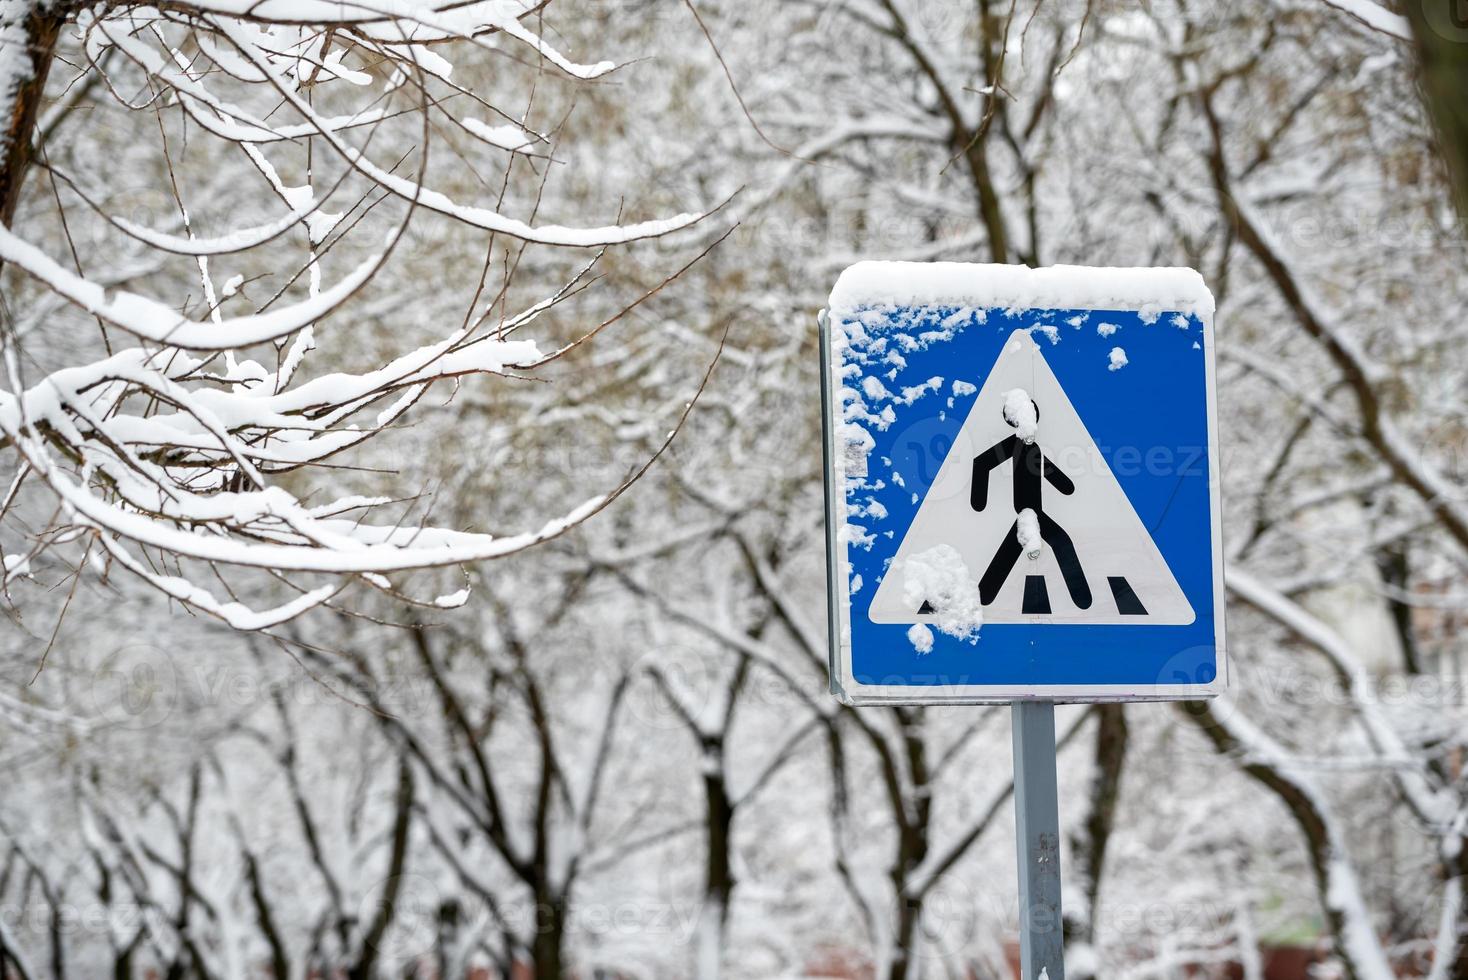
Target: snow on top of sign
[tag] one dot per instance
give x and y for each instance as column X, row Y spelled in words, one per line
column 1059, row 287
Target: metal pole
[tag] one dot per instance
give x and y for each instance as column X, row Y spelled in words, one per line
column 1037, row 828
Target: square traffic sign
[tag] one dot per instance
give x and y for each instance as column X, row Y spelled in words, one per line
column 1022, row 484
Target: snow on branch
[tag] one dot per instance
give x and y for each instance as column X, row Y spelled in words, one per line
column 1432, row 802
column 1337, row 884
column 166, row 457
column 1376, row 17
column 1363, row 375
column 148, row 319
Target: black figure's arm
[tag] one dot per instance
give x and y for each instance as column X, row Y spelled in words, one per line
column 1057, row 477
column 978, row 495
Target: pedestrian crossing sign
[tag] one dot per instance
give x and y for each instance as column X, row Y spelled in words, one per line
column 1022, row 484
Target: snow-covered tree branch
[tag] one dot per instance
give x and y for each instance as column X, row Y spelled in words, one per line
column 187, row 442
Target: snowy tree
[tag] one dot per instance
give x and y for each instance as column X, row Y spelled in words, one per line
column 286, row 137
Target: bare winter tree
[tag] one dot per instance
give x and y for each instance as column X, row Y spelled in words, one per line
column 171, row 432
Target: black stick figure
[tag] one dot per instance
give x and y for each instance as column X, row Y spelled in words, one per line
column 1030, row 464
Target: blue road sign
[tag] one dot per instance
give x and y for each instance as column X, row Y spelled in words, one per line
column 1022, row 484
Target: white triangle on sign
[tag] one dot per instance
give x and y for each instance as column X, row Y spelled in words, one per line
column 1128, row 580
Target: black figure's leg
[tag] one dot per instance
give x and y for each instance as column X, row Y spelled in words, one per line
column 1000, row 566
column 1065, row 556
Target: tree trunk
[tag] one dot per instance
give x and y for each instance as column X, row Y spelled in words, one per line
column 550, row 936
column 28, row 33
column 992, row 35
column 912, row 845
column 1440, row 35
column 909, row 912
column 1090, row 842
column 387, row 908
column 718, row 875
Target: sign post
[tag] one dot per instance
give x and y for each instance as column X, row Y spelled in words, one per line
column 1037, row 836
column 1022, row 508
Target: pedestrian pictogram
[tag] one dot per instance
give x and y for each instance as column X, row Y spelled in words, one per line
column 1029, row 468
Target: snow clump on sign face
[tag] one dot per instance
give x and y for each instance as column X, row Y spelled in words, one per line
column 856, row 444
column 1118, row 359
column 940, row 578
column 1019, row 411
column 1028, row 530
column 920, row 637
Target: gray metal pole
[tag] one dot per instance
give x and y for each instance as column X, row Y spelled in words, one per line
column 1037, row 827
